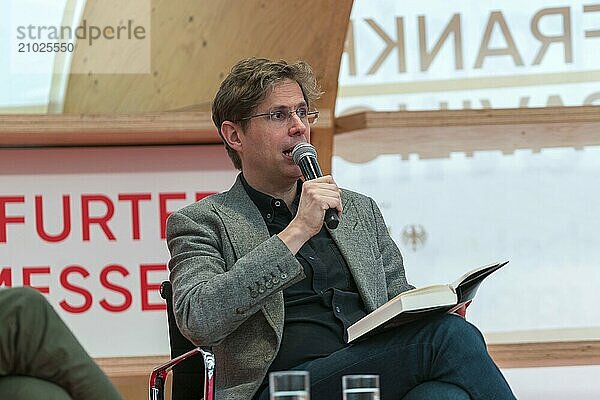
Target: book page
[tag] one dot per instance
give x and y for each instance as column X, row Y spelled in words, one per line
column 428, row 296
column 473, row 274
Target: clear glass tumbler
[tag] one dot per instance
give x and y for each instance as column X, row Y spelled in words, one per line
column 289, row 385
column 360, row 387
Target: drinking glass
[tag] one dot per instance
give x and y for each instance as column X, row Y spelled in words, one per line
column 360, row 387
column 289, row 385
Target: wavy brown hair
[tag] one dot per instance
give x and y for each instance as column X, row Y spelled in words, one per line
column 249, row 83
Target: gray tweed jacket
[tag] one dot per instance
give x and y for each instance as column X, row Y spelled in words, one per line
column 228, row 275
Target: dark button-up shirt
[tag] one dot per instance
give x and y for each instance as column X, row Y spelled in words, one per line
column 319, row 308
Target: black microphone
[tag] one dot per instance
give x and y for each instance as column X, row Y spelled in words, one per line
column 305, row 156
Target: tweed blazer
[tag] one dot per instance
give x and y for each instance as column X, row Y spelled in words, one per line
column 228, row 274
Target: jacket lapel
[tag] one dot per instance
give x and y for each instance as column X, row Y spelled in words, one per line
column 247, row 229
column 245, row 225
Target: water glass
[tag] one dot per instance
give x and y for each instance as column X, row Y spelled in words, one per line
column 360, row 387
column 289, row 385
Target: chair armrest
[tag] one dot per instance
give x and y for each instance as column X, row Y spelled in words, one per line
column 159, row 374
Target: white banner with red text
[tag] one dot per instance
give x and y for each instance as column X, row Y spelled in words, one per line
column 86, row 227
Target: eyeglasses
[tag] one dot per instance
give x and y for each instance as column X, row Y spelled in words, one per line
column 282, row 116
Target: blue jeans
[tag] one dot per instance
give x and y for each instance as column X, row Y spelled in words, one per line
column 444, row 349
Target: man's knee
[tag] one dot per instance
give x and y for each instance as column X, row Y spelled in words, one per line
column 456, row 330
column 21, row 301
column 26, row 292
column 437, row 390
column 26, row 388
column 25, row 295
column 454, row 324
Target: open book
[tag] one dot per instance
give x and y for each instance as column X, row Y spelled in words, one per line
column 416, row 303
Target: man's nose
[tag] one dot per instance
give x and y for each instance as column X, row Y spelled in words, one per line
column 297, row 126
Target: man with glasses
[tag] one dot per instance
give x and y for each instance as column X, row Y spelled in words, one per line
column 258, row 276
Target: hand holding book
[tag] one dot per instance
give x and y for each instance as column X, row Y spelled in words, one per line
column 461, row 309
column 421, row 302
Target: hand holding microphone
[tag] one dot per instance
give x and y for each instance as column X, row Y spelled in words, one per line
column 320, row 200
column 305, row 156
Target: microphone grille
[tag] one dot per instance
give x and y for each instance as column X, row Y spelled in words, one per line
column 302, row 150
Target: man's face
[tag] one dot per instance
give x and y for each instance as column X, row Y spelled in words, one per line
column 267, row 145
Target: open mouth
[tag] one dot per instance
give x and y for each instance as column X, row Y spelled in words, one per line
column 288, row 152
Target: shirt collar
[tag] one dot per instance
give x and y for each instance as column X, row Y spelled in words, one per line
column 264, row 202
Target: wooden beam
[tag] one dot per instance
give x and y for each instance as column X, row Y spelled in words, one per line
column 116, row 367
column 433, row 134
column 163, row 128
column 444, row 118
column 107, row 129
column 545, row 347
column 546, row 354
